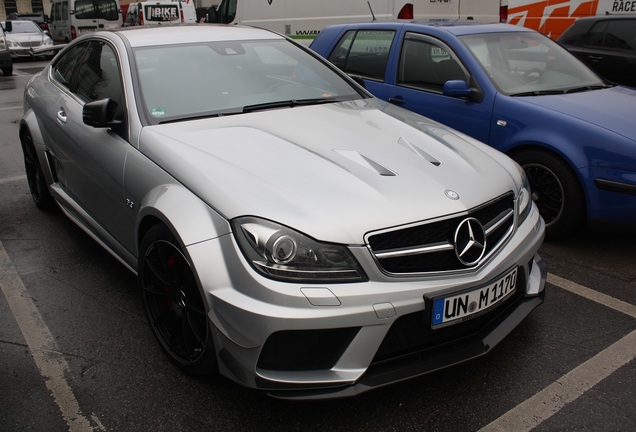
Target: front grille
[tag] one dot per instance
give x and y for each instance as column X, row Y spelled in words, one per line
column 430, row 246
column 30, row 44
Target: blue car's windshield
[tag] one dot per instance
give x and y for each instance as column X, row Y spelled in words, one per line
column 529, row 64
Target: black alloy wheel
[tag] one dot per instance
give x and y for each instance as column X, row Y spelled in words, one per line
column 35, row 176
column 556, row 192
column 173, row 303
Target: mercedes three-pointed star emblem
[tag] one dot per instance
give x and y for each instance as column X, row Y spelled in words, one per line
column 470, row 242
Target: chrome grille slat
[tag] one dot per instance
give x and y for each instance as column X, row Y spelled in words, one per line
column 415, row 251
column 428, row 247
column 496, row 223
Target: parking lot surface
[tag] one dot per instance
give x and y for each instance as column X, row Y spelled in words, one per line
column 76, row 352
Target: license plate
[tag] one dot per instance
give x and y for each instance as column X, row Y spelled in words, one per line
column 468, row 305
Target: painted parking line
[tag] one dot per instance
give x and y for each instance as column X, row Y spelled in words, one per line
column 49, row 360
column 590, row 294
column 12, row 179
column 549, row 401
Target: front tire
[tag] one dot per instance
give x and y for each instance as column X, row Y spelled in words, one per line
column 8, row 71
column 173, row 303
column 556, row 191
column 35, row 176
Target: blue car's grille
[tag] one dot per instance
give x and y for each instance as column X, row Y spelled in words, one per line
column 429, row 247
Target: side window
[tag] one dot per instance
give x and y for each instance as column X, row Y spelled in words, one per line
column 99, row 77
column 621, row 34
column 65, row 65
column 364, row 53
column 339, row 55
column 427, row 64
column 595, row 36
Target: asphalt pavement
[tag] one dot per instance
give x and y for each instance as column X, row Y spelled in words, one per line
column 76, row 352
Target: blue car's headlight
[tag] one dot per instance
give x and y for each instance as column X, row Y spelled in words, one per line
column 524, row 197
column 280, row 253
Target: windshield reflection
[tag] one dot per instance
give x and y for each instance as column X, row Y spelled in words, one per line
column 522, row 64
column 213, row 79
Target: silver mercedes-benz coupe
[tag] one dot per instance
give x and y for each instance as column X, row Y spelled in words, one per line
column 287, row 229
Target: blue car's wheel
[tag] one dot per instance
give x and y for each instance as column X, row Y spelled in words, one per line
column 556, row 191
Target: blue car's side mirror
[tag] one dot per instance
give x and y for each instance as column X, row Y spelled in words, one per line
column 456, row 88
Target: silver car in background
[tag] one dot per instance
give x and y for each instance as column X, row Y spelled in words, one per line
column 26, row 37
column 287, row 229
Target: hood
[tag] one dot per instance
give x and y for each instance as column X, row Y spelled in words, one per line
column 334, row 172
column 611, row 109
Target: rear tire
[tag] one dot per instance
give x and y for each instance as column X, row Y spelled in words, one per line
column 35, row 176
column 173, row 303
column 556, row 191
column 8, row 71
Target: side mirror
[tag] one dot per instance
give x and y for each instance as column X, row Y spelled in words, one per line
column 101, row 114
column 456, row 88
column 8, row 26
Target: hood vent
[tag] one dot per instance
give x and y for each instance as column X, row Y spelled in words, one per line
column 365, row 162
column 421, row 153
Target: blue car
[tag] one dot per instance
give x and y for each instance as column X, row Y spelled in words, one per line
column 516, row 90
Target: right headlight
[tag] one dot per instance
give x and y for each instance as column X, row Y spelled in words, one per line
column 524, row 196
column 281, row 253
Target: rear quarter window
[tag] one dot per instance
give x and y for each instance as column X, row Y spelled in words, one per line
column 364, row 53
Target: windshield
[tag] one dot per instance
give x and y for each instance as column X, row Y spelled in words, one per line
column 529, row 64
column 24, row 27
column 223, row 78
column 94, row 9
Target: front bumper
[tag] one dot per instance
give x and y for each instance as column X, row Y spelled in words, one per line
column 32, row 52
column 302, row 341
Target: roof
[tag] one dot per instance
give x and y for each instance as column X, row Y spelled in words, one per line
column 456, row 27
column 140, row 36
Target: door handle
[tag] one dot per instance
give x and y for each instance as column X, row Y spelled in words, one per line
column 398, row 100
column 61, row 116
column 595, row 59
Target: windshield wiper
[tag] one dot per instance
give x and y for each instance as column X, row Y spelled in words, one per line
column 199, row 117
column 586, row 88
column 539, row 93
column 286, row 104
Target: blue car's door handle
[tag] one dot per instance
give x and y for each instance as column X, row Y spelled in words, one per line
column 398, row 100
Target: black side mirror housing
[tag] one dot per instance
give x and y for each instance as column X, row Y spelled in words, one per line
column 101, row 114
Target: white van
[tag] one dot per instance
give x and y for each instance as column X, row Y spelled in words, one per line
column 160, row 12
column 304, row 19
column 554, row 17
column 70, row 18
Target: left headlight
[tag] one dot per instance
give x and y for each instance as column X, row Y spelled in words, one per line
column 12, row 43
column 524, row 196
column 281, row 253
column 47, row 41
